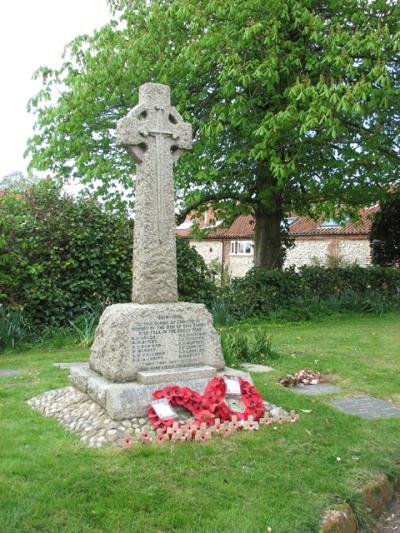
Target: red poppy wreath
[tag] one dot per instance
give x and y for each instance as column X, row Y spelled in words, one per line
column 184, row 397
column 205, row 408
column 215, row 395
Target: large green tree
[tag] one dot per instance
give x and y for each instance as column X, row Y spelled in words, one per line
column 295, row 104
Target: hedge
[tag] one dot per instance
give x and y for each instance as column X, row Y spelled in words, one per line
column 60, row 256
column 261, row 292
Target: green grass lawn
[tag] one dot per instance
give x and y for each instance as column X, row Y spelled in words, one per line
column 281, row 477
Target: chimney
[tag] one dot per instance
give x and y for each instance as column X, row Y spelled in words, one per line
column 206, row 218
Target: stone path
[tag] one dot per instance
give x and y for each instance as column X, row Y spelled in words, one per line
column 321, row 388
column 68, row 364
column 367, row 407
column 9, row 372
column 251, row 367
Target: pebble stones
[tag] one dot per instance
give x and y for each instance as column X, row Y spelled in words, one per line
column 78, row 413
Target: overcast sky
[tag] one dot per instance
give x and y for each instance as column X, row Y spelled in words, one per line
column 33, row 33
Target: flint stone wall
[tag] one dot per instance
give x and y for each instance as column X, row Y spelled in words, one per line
column 209, row 250
column 131, row 338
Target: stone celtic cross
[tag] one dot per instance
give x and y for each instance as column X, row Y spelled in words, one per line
column 155, row 135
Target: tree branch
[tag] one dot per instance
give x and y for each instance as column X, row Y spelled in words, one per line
column 180, row 217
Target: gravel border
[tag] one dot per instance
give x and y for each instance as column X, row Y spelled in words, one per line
column 78, row 413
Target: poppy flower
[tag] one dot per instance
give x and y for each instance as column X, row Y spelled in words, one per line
column 127, row 442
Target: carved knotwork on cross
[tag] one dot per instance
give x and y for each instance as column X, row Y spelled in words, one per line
column 154, row 118
column 155, row 135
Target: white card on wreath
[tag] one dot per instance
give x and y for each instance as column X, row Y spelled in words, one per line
column 232, row 385
column 163, row 409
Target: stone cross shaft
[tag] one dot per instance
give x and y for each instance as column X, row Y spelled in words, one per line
column 155, row 135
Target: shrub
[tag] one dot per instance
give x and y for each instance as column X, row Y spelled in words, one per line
column 262, row 291
column 195, row 281
column 83, row 327
column 219, row 311
column 238, row 348
column 13, row 327
column 61, row 257
column 312, row 290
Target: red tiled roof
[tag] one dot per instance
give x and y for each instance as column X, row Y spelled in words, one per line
column 307, row 226
column 243, row 227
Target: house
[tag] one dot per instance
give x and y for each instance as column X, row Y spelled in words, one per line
column 316, row 242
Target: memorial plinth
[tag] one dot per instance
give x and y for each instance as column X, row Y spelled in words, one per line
column 156, row 340
column 132, row 339
column 139, row 348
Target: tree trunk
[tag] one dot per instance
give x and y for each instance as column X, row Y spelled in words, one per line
column 268, row 240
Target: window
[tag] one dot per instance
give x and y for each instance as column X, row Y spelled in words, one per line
column 288, row 220
column 242, row 247
column 331, row 223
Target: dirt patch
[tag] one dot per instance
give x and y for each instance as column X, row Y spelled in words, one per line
column 389, row 522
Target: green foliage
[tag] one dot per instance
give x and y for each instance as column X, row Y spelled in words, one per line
column 59, row 256
column 63, row 259
column 219, row 311
column 313, row 291
column 310, row 308
column 261, row 291
column 83, row 327
column 195, row 281
column 385, row 233
column 294, row 104
column 254, row 348
column 13, row 327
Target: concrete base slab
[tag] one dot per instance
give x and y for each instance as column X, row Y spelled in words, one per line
column 320, row 388
column 367, row 407
column 130, row 399
column 250, row 367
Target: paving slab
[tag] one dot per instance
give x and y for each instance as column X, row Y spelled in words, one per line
column 9, row 372
column 19, row 384
column 250, row 367
column 320, row 388
column 367, row 407
column 68, row 364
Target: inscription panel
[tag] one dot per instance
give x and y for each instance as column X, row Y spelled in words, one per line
column 167, row 342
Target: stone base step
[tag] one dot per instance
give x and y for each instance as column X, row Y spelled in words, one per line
column 164, row 376
column 131, row 399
